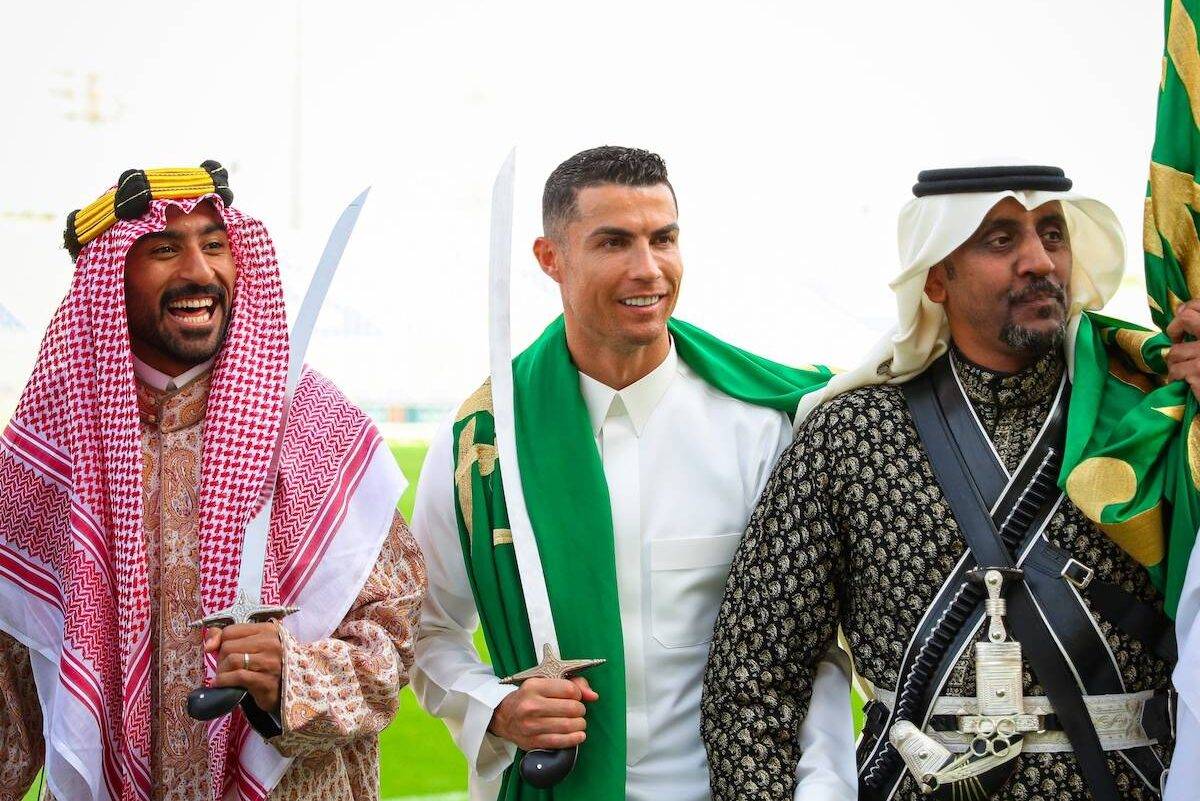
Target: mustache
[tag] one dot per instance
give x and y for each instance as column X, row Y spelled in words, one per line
column 191, row 290
column 1036, row 288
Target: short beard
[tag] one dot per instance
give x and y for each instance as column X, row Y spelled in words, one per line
column 1031, row 342
column 145, row 326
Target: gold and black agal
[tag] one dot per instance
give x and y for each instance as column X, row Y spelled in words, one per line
column 131, row 197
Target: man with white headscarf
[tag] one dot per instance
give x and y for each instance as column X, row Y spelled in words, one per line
column 1010, row 648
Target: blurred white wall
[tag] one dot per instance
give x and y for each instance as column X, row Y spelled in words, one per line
column 793, row 132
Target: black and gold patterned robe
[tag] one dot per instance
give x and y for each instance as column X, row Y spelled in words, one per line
column 852, row 530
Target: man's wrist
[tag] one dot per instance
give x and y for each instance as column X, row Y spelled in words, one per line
column 496, row 724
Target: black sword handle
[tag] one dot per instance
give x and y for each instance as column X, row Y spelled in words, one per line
column 544, row 768
column 210, row 703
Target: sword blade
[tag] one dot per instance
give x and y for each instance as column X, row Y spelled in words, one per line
column 254, row 541
column 318, row 287
column 529, row 564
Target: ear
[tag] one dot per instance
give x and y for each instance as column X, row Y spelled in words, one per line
column 935, row 283
column 549, row 257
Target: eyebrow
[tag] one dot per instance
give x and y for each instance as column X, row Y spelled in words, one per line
column 612, row 230
column 997, row 224
column 175, row 236
column 1053, row 219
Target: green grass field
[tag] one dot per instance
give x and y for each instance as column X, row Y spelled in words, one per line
column 419, row 758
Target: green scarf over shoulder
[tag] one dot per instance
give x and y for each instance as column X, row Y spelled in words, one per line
column 567, row 497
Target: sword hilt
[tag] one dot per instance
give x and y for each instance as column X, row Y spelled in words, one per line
column 544, row 768
column 210, row 703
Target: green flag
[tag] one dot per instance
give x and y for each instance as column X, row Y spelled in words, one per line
column 1132, row 461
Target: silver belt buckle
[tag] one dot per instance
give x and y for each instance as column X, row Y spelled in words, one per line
column 1072, row 571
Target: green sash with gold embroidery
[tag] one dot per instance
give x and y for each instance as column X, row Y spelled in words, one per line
column 567, row 497
column 1133, row 451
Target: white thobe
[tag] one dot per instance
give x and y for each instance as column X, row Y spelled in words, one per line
column 1184, row 775
column 685, row 465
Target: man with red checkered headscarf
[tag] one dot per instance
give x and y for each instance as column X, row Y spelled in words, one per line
column 136, row 456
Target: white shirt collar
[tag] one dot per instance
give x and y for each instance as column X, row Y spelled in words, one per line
column 638, row 400
column 163, row 382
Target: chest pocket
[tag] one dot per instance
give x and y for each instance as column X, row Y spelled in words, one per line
column 687, row 579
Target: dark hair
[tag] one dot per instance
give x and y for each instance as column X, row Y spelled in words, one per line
column 607, row 164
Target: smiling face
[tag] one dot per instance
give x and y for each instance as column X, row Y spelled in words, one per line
column 618, row 267
column 179, row 289
column 1006, row 289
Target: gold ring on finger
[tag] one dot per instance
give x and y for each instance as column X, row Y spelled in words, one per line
column 245, row 661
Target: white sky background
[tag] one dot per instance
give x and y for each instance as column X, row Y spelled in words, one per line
column 793, row 133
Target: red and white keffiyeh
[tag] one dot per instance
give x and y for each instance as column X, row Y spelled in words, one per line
column 73, row 575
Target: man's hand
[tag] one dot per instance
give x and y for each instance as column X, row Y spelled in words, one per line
column 544, row 714
column 259, row 640
column 1183, row 360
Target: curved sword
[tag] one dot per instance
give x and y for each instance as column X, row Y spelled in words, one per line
column 540, row 768
column 529, row 564
column 209, row 703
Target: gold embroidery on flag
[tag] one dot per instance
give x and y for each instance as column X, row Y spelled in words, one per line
column 1172, row 195
column 1131, row 343
column 501, row 536
column 1103, row 481
column 1141, row 536
column 1099, row 482
column 1193, row 443
column 1182, row 47
column 1151, row 243
column 1174, row 412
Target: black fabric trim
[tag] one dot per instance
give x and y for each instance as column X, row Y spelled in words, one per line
column 990, row 179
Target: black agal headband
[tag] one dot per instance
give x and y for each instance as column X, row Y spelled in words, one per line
column 131, row 197
column 990, row 179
